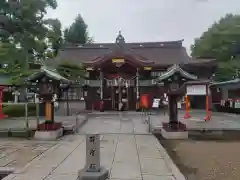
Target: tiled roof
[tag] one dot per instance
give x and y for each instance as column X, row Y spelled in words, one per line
column 52, row 73
column 161, row 53
column 234, row 81
column 176, row 69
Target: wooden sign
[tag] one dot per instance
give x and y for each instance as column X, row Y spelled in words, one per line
column 147, row 68
column 89, row 69
column 92, row 152
column 118, row 60
column 200, row 89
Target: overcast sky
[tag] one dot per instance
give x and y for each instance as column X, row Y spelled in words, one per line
column 145, row 20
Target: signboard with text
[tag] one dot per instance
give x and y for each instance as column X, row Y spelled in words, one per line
column 93, row 152
column 156, row 103
column 196, row 89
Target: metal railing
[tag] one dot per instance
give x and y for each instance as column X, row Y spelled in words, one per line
column 14, row 111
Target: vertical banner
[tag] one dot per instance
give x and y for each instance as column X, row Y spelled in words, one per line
column 144, row 101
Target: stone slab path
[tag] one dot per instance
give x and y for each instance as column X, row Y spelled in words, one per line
column 115, row 123
column 128, row 157
column 17, row 153
column 20, row 122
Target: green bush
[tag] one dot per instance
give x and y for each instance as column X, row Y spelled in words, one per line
column 18, row 110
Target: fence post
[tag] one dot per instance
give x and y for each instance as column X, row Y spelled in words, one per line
column 149, row 121
column 37, row 112
column 77, row 122
column 26, row 117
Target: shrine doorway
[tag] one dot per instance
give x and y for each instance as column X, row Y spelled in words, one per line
column 121, row 93
column 119, row 87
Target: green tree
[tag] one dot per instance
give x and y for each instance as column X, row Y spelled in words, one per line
column 54, row 35
column 77, row 33
column 221, row 41
column 26, row 35
column 72, row 72
column 23, row 24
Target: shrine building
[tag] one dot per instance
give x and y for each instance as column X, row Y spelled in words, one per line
column 123, row 71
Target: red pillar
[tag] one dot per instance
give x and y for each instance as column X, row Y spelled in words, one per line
column 1, row 94
column 207, row 117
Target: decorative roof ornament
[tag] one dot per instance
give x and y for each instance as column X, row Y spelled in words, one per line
column 120, row 39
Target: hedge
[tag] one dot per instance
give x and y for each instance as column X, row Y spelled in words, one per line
column 18, row 110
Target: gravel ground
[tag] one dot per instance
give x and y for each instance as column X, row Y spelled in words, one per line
column 206, row 160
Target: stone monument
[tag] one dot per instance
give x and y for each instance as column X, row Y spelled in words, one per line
column 92, row 169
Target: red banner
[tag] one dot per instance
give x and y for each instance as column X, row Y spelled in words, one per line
column 144, row 99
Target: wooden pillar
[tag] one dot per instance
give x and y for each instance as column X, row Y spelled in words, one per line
column 101, row 84
column 101, row 91
column 173, row 110
column 137, row 90
column 224, row 93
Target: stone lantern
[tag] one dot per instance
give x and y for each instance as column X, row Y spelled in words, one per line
column 174, row 79
column 47, row 84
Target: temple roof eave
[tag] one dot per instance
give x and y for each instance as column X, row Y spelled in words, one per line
column 176, row 69
column 44, row 71
column 127, row 56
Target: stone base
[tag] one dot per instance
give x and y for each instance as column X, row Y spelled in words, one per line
column 174, row 134
column 103, row 174
column 48, row 135
column 156, row 130
column 69, row 128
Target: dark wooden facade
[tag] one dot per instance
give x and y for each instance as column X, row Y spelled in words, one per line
column 123, row 71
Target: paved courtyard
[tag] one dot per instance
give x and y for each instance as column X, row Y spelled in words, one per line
column 135, row 123
column 123, row 123
column 17, row 153
column 127, row 149
column 145, row 159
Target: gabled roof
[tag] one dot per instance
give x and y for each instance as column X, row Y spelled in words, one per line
column 158, row 53
column 176, row 69
column 49, row 73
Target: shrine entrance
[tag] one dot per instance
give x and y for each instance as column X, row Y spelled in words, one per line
column 119, row 85
column 122, row 91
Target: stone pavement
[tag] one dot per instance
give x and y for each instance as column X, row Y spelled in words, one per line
column 128, row 157
column 20, row 123
column 123, row 123
column 16, row 153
